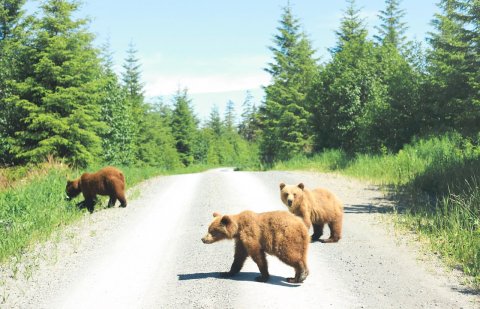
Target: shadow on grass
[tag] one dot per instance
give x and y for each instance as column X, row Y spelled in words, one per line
column 242, row 276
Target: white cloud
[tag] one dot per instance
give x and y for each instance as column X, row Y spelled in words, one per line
column 164, row 76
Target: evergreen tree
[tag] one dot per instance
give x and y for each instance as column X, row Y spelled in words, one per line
column 286, row 111
column 59, row 94
column 215, row 122
column 157, row 143
column 392, row 29
column 398, row 121
column 10, row 14
column 13, row 36
column 350, row 95
column 448, row 91
column 184, row 127
column 249, row 126
column 118, row 139
column 352, row 27
column 230, row 116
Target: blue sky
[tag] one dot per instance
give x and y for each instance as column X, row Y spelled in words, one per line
column 218, row 48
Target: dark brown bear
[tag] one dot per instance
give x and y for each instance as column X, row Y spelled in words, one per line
column 316, row 207
column 278, row 233
column 107, row 181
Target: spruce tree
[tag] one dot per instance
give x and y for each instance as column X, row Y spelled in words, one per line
column 349, row 94
column 59, row 95
column 449, row 89
column 133, row 86
column 392, row 29
column 286, row 110
column 249, row 126
column 157, row 143
column 184, row 127
column 230, row 116
column 13, row 37
column 118, row 139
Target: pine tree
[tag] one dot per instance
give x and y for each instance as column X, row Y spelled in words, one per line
column 184, row 127
column 13, row 35
column 286, row 111
column 352, row 27
column 59, row 95
column 449, row 91
column 215, row 122
column 392, row 29
column 398, row 122
column 118, row 139
column 230, row 116
column 157, row 143
column 249, row 126
column 133, row 86
column 349, row 94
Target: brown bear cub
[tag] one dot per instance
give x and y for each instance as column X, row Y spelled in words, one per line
column 107, row 181
column 278, row 233
column 316, row 207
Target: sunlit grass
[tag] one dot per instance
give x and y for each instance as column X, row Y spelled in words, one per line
column 33, row 205
column 443, row 169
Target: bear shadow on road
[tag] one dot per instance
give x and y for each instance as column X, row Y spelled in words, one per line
column 242, row 276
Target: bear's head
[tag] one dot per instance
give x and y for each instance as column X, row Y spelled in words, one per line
column 292, row 196
column 73, row 188
column 222, row 227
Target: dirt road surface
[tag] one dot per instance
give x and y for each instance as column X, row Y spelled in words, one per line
column 150, row 255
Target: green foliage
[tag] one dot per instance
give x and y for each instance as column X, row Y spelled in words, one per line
column 440, row 173
column 453, row 60
column 57, row 100
column 392, row 29
column 286, row 110
column 249, row 127
column 156, row 142
column 184, row 127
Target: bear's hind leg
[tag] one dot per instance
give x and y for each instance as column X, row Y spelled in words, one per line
column 111, row 201
column 122, row 199
column 335, row 232
column 301, row 273
column 317, row 232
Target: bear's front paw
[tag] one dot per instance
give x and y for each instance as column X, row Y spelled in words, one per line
column 227, row 274
column 262, row 278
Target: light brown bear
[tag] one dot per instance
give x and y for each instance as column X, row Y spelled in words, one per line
column 316, row 207
column 278, row 233
column 107, row 181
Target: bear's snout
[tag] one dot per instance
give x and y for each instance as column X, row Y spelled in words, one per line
column 207, row 239
column 289, row 202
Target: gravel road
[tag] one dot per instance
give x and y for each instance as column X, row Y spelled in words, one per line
column 150, row 254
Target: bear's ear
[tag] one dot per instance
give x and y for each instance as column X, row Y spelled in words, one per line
column 282, row 185
column 216, row 214
column 301, row 186
column 226, row 220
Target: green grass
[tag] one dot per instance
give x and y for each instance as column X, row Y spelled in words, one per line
column 33, row 204
column 439, row 177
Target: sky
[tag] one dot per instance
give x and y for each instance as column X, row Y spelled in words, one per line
column 218, row 49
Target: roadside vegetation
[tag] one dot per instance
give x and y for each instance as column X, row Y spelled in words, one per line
column 436, row 184
column 381, row 108
column 33, row 204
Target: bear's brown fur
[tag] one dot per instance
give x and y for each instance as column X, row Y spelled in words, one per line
column 316, row 207
column 278, row 233
column 107, row 181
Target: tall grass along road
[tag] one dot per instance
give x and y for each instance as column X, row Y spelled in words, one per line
column 150, row 255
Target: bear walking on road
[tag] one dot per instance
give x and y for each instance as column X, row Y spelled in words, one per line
column 107, row 181
column 316, row 207
column 278, row 233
